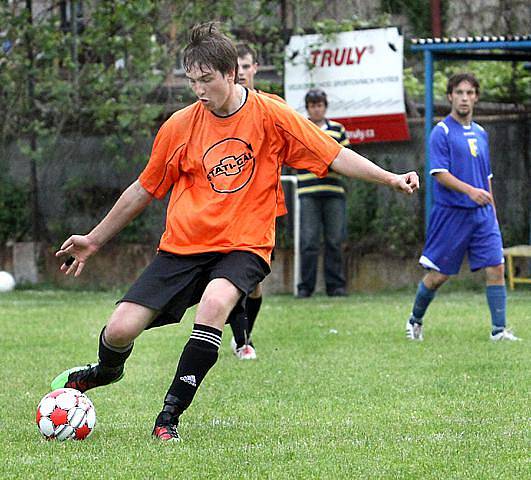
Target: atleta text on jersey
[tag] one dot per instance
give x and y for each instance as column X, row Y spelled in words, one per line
column 224, row 173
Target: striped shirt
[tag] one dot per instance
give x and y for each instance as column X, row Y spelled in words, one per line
column 331, row 185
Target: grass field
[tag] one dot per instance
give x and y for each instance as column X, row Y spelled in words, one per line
column 336, row 392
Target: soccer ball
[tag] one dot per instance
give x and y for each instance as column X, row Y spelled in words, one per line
column 7, row 282
column 66, row 414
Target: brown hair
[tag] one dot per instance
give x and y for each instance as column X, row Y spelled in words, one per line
column 209, row 48
column 244, row 49
column 315, row 95
column 457, row 78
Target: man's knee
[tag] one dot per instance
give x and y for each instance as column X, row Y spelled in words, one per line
column 214, row 305
column 433, row 280
column 127, row 322
column 118, row 332
column 495, row 274
column 219, row 298
column 257, row 292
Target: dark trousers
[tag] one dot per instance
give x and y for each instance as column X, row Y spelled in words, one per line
column 326, row 214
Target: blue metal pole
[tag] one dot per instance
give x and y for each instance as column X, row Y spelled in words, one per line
column 428, row 119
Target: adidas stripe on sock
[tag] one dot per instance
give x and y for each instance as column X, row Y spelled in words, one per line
column 198, row 357
column 200, row 334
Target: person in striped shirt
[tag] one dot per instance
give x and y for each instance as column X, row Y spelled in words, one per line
column 322, row 209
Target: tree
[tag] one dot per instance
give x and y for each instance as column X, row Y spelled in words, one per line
column 94, row 71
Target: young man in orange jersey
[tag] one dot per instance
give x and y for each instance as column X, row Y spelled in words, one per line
column 242, row 323
column 221, row 157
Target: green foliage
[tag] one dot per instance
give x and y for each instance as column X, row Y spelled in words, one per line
column 418, row 13
column 397, row 229
column 413, row 86
column 101, row 79
column 329, row 26
column 14, row 211
column 362, row 202
column 91, row 200
column 124, row 64
column 381, row 223
column 499, row 81
column 270, row 87
column 88, row 196
column 37, row 109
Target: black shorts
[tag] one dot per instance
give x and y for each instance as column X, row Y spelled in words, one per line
column 172, row 283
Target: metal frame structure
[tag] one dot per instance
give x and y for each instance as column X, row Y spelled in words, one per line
column 296, row 230
column 513, row 48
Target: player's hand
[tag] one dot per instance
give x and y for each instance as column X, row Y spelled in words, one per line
column 480, row 196
column 406, row 183
column 78, row 248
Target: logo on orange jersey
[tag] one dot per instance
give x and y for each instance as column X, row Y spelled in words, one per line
column 229, row 165
column 473, row 146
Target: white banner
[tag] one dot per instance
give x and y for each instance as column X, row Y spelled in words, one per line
column 362, row 75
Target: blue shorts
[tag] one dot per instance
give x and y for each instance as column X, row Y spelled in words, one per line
column 452, row 232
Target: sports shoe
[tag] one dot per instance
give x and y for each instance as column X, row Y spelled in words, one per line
column 414, row 331
column 504, row 335
column 304, row 294
column 84, row 378
column 166, row 432
column 246, row 352
column 166, row 427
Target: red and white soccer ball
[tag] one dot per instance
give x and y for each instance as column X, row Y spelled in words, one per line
column 66, row 414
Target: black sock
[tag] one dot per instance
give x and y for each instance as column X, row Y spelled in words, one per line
column 239, row 325
column 170, row 411
column 111, row 358
column 198, row 357
column 252, row 307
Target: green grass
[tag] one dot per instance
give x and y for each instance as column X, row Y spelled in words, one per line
column 336, row 392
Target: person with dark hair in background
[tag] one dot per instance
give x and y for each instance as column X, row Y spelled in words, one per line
column 463, row 218
column 323, row 209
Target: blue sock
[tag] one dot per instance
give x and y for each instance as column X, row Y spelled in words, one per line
column 497, row 299
column 422, row 300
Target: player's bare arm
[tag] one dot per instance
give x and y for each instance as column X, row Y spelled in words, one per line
column 80, row 247
column 354, row 165
column 478, row 195
column 492, row 196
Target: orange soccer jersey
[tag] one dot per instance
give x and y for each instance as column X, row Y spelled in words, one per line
column 281, row 200
column 225, row 173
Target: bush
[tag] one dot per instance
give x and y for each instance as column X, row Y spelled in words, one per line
column 14, row 211
column 499, row 81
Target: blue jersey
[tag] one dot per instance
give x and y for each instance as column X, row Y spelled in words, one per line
column 463, row 152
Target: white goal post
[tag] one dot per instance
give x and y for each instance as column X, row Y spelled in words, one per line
column 296, row 230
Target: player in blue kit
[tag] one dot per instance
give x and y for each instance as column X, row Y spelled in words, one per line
column 463, row 217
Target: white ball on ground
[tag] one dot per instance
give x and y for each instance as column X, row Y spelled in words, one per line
column 7, row 282
column 66, row 414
